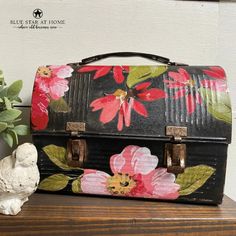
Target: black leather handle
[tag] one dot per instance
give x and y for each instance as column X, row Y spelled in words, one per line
column 153, row 57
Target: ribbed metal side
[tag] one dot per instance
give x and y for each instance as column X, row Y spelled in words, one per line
column 200, row 123
column 100, row 150
column 77, row 99
column 161, row 112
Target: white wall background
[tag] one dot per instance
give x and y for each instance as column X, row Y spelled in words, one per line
column 196, row 32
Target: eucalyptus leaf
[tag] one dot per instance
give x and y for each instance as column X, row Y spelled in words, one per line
column 21, row 129
column 1, row 88
column 7, row 103
column 13, row 133
column 58, row 156
column 59, row 105
column 138, row 74
column 3, row 126
column 14, row 89
column 17, row 100
column 3, row 93
column 10, row 125
column 7, row 138
column 76, row 186
column 16, row 120
column 1, row 77
column 193, row 178
column 9, row 115
column 54, row 182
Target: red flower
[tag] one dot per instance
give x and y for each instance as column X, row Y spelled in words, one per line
column 219, row 81
column 185, row 84
column 103, row 70
column 39, row 112
column 123, row 102
column 215, row 72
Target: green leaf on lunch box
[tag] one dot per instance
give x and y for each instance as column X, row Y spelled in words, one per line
column 21, row 129
column 58, row 156
column 14, row 89
column 138, row 74
column 193, row 178
column 76, row 186
column 211, row 96
column 3, row 126
column 218, row 104
column 220, row 112
column 54, row 182
column 59, row 105
column 9, row 115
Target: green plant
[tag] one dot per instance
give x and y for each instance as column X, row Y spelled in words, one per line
column 9, row 115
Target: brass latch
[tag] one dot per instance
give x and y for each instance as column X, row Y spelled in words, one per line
column 175, row 152
column 76, row 152
column 75, row 127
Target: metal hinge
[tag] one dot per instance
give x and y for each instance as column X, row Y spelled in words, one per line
column 76, row 152
column 175, row 152
column 75, row 127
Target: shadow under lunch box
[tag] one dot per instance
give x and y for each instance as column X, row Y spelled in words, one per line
column 158, row 131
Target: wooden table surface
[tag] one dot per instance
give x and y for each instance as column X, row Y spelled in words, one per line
column 46, row 214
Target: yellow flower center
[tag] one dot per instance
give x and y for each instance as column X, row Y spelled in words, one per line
column 120, row 93
column 121, row 183
column 44, row 72
column 191, row 83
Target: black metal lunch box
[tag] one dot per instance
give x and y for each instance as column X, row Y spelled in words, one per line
column 157, row 132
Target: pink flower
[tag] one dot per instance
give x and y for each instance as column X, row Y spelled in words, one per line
column 62, row 71
column 122, row 102
column 185, row 86
column 51, row 80
column 103, row 70
column 39, row 112
column 50, row 83
column 134, row 174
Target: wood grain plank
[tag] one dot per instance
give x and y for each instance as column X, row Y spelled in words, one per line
column 47, row 214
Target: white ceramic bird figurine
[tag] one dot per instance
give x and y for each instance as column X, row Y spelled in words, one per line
column 19, row 178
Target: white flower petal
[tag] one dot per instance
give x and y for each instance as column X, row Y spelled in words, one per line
column 143, row 162
column 95, row 183
column 117, row 162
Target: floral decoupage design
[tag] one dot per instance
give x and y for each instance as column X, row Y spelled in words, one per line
column 104, row 70
column 51, row 84
column 49, row 89
column 211, row 91
column 134, row 173
column 121, row 102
